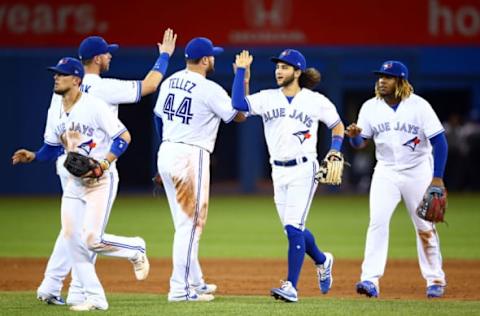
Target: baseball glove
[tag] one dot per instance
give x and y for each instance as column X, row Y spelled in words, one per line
column 80, row 165
column 331, row 168
column 434, row 204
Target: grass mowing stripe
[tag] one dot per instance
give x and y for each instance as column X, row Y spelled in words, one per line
column 242, row 226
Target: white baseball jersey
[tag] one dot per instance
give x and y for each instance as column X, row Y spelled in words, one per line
column 191, row 107
column 403, row 172
column 291, row 128
column 401, row 136
column 112, row 91
column 91, row 118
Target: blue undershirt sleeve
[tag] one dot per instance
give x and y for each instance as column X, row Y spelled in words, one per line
column 48, row 153
column 238, row 91
column 357, row 141
column 440, row 153
column 158, row 126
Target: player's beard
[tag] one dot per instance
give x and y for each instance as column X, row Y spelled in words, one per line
column 105, row 66
column 287, row 81
column 211, row 68
column 385, row 92
column 61, row 91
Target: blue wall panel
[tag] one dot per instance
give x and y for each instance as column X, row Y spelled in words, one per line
column 26, row 90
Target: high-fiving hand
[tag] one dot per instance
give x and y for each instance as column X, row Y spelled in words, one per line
column 353, row 130
column 243, row 60
column 168, row 43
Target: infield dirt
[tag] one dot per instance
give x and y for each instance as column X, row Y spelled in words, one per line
column 402, row 279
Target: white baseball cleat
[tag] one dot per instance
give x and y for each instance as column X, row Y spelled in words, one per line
column 324, row 273
column 191, row 298
column 50, row 299
column 286, row 292
column 87, row 306
column 205, row 288
column 141, row 266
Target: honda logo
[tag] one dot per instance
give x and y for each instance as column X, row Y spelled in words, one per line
column 258, row 15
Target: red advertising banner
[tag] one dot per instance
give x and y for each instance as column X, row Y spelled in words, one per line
column 31, row 23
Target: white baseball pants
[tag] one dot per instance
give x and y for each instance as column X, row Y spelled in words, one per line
column 85, row 213
column 387, row 189
column 294, row 189
column 185, row 172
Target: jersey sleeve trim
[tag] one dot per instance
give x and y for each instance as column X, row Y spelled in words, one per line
column 119, row 133
column 436, row 133
column 334, row 124
column 249, row 106
column 139, row 91
column 52, row 144
column 231, row 118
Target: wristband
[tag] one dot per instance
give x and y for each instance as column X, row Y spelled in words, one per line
column 337, row 141
column 161, row 64
column 119, row 146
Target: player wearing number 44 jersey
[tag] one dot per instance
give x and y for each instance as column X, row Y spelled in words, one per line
column 404, row 128
column 190, row 107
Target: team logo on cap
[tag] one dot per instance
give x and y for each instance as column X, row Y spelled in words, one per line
column 387, row 66
column 412, row 143
column 303, row 135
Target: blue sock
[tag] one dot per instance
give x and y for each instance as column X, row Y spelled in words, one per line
column 312, row 249
column 296, row 253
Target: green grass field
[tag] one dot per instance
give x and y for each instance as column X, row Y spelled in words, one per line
column 243, row 227
column 21, row 303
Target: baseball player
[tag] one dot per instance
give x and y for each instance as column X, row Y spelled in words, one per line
column 96, row 54
column 404, row 128
column 85, row 124
column 190, row 107
column 290, row 116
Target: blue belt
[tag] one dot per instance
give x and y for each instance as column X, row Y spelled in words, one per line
column 288, row 163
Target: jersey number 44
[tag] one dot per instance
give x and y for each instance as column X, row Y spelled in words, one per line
column 183, row 111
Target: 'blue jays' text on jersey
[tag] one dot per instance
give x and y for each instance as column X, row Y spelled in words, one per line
column 401, row 136
column 90, row 125
column 291, row 128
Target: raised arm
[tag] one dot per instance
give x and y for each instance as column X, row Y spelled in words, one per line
column 242, row 63
column 155, row 76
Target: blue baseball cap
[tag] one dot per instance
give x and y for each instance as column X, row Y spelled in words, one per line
column 393, row 68
column 93, row 46
column 68, row 66
column 292, row 57
column 200, row 47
